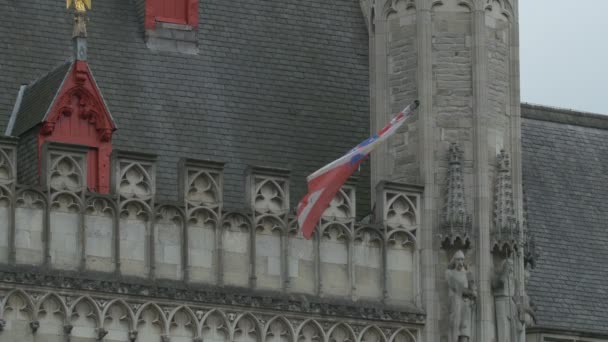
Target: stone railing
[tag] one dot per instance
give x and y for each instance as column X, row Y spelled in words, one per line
column 59, row 227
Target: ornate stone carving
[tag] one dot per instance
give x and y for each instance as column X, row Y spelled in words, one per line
column 342, row 207
column 31, row 198
column 201, row 188
column 531, row 252
column 508, row 325
column 8, row 170
column 394, row 6
column 456, row 221
column 506, row 232
column 135, row 183
column 269, row 190
column 34, row 325
column 397, row 209
column 101, row 333
column 462, row 294
column 2, row 324
column 19, row 300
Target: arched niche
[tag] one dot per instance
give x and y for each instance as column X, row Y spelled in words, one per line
column 100, row 227
column 236, row 248
column 334, row 259
column 203, row 258
column 169, row 242
column 30, row 221
column 368, row 248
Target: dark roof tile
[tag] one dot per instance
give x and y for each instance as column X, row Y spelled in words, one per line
column 37, row 98
column 565, row 173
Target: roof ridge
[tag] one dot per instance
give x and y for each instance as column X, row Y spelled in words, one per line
column 564, row 116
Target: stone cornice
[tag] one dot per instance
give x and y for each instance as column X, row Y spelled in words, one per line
column 206, row 295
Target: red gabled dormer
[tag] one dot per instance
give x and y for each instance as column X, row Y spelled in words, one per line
column 66, row 106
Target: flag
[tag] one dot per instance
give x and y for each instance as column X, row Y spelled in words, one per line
column 324, row 183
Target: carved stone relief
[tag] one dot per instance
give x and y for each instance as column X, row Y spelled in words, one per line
column 506, row 233
column 456, row 220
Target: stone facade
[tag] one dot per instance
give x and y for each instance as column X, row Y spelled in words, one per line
column 197, row 239
column 126, row 267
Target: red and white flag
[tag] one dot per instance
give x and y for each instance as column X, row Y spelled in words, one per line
column 327, row 181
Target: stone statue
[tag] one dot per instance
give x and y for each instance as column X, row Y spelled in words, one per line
column 462, row 294
column 526, row 307
column 508, row 323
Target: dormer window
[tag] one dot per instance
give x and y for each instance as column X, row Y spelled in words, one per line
column 171, row 25
column 181, row 12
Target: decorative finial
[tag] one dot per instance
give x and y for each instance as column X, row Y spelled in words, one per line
column 80, row 11
column 457, row 224
column 79, row 33
column 506, row 225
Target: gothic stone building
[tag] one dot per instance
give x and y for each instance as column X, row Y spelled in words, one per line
column 154, row 151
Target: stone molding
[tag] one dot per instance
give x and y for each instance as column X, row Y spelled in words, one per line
column 107, row 288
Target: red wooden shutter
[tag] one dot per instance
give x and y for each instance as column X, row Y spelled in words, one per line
column 173, row 11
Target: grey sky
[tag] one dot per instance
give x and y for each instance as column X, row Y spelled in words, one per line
column 564, row 53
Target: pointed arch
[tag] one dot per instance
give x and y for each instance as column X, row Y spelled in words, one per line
column 28, row 301
column 121, row 303
column 315, row 325
column 405, row 332
column 94, row 307
column 343, row 231
column 282, row 320
column 188, row 311
column 236, row 327
column 159, row 311
column 24, row 197
column 349, row 336
column 224, row 325
column 52, row 295
column 371, row 328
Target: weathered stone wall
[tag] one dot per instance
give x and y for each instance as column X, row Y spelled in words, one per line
column 460, row 59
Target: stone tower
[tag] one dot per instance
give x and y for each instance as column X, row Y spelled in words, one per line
column 460, row 58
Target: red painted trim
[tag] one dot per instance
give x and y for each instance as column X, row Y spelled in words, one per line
column 79, row 116
column 172, row 20
column 150, row 12
column 154, row 12
column 193, row 12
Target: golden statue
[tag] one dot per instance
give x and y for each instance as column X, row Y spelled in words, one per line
column 79, row 5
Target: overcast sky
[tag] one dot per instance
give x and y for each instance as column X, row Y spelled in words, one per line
column 564, row 53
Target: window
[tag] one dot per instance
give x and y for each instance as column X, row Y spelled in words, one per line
column 183, row 12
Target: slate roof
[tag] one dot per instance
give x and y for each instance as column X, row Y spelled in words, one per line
column 565, row 173
column 271, row 73
column 37, row 98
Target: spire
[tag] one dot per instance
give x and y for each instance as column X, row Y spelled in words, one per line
column 506, row 225
column 79, row 34
column 456, row 221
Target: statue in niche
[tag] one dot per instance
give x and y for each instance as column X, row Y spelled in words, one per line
column 462, row 295
column 509, row 323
